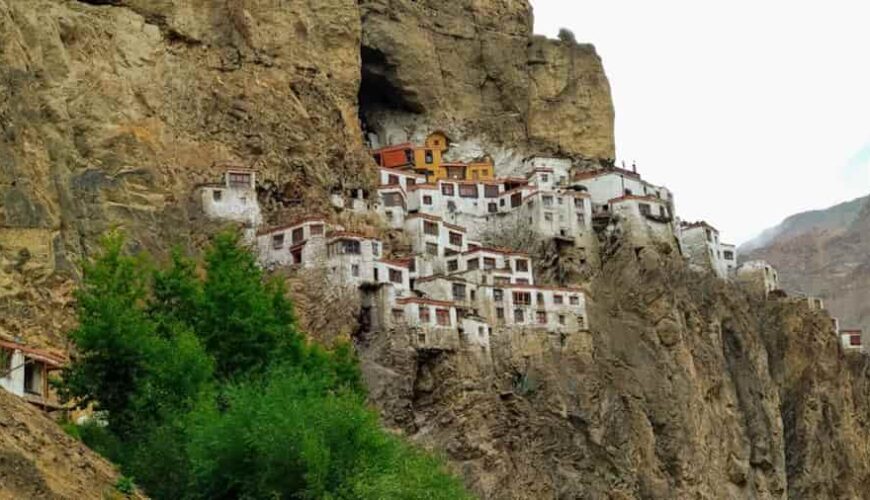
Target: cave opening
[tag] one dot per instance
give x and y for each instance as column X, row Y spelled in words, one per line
column 381, row 95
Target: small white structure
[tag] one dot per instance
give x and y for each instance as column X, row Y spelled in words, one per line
column 729, row 255
column 297, row 243
column 430, row 235
column 703, row 248
column 553, row 309
column 648, row 218
column 607, row 184
column 392, row 205
column 482, row 265
column 759, row 275
column 557, row 169
column 24, row 372
column 853, row 340
column 235, row 199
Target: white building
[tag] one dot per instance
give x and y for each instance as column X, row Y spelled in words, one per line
column 703, row 248
column 392, row 205
column 235, row 199
column 430, row 235
column 24, row 372
column 553, row 309
column 297, row 243
column 612, row 183
column 729, row 255
column 484, row 266
column 558, row 168
column 759, row 275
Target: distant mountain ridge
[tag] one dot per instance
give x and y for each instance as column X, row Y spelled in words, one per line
column 839, row 216
column 824, row 253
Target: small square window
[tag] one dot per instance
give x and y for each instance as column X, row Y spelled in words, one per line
column 424, row 314
column 427, row 200
column 217, row 194
column 354, row 270
column 575, row 300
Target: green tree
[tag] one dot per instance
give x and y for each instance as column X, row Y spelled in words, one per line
column 243, row 323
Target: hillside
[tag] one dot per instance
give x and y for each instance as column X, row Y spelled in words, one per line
column 38, row 460
column 824, row 253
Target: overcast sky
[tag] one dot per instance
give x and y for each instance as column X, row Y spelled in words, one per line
column 749, row 110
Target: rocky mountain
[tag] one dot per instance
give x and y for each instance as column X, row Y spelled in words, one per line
column 824, row 253
column 112, row 112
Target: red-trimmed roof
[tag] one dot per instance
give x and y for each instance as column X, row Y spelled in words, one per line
column 415, row 187
column 537, row 287
column 502, row 251
column 50, row 358
column 427, row 302
column 349, row 234
column 851, row 332
column 629, row 197
column 404, row 145
column 540, row 169
column 298, row 222
column 579, row 176
column 435, row 218
column 406, row 263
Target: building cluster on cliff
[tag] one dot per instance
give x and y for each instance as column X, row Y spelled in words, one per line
column 450, row 286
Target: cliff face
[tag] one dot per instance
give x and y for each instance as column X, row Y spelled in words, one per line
column 825, row 253
column 474, row 70
column 685, row 387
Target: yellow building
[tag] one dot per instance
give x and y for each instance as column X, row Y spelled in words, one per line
column 429, row 160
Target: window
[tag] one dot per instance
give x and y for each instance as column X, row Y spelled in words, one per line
column 472, row 264
column 558, row 300
column 581, row 321
column 424, row 314
column 561, row 319
column 729, row 255
column 575, row 300
column 578, row 203
column 447, row 189
column 277, row 240
column 854, row 340
column 539, row 298
column 519, row 316
column 490, row 191
column 541, row 317
column 644, row 208
column 522, row 281
column 458, row 291
column 516, row 200
column 468, row 190
column 412, row 264
column 316, row 229
column 297, row 256
column 545, row 178
column 217, row 194
column 33, row 378
column 354, row 270
column 522, row 298
column 480, row 331
column 547, row 200
column 491, row 207
column 709, row 235
column 430, row 228
column 410, row 182
column 502, row 280
column 628, row 192
column 392, row 179
column 452, row 265
column 455, row 239
column 448, row 252
column 560, row 200
column 501, row 202
column 499, row 313
column 498, row 295
column 489, row 262
column 473, row 295
column 442, row 317
column 349, row 247
column 522, row 265
column 427, row 200
column 432, row 249
column 395, row 276
column 376, row 249
column 409, row 156
column 429, row 157
column 548, row 216
column 377, row 275
column 239, row 179
column 398, row 315
column 392, row 200
column 377, row 158
column 581, row 219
